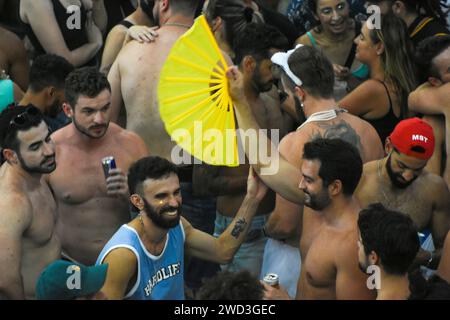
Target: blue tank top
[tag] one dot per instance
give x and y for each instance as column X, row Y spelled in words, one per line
column 159, row 277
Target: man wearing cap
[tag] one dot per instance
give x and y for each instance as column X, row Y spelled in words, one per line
column 432, row 98
column 64, row 280
column 400, row 183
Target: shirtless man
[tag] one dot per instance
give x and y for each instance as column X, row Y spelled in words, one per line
column 330, row 171
column 91, row 210
column 134, row 76
column 13, row 58
column 28, row 210
column 253, row 48
column 46, row 90
column 432, row 98
column 310, row 68
column 315, row 71
column 387, row 239
column 399, row 182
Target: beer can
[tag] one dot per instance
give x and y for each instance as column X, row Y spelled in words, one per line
column 107, row 164
column 271, row 279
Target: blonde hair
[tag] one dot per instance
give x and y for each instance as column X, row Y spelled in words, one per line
column 397, row 58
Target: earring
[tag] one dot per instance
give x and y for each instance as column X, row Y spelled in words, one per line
column 302, row 105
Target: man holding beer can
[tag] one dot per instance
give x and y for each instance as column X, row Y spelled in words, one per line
column 90, row 184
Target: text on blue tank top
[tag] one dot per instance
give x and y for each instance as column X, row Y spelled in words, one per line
column 159, row 277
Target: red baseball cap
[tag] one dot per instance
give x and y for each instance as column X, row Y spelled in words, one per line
column 413, row 137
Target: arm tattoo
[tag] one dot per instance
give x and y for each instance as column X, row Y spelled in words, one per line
column 238, row 228
column 339, row 129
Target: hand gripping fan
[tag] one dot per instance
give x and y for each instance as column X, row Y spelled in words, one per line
column 194, row 101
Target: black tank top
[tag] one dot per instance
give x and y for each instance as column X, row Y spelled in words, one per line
column 385, row 125
column 126, row 24
column 74, row 38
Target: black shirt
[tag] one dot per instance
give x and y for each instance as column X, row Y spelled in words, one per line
column 424, row 27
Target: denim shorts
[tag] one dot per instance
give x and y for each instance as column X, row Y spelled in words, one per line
column 250, row 254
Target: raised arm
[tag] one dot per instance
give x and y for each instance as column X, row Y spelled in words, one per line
column 285, row 178
column 42, row 20
column 113, row 44
column 222, row 249
column 286, row 219
column 14, row 220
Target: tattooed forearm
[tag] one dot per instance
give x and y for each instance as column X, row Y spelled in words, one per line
column 238, row 228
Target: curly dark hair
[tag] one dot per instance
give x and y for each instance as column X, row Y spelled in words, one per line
column 426, row 51
column 148, row 168
column 392, row 235
column 49, row 70
column 339, row 160
column 231, row 286
column 256, row 39
column 87, row 81
column 8, row 133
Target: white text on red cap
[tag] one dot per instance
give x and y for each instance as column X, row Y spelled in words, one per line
column 419, row 137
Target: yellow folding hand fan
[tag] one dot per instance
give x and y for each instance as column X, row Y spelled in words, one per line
column 194, row 101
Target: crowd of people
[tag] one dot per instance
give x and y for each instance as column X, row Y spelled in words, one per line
column 358, row 208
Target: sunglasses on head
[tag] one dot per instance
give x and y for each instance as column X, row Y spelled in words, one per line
column 23, row 119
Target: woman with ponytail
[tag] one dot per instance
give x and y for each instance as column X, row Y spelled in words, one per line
column 226, row 18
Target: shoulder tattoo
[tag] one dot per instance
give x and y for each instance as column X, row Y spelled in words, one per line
column 339, row 129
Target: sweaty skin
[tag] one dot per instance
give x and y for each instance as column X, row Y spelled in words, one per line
column 285, row 221
column 426, row 200
column 134, row 79
column 88, row 217
column 328, row 245
column 27, row 227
